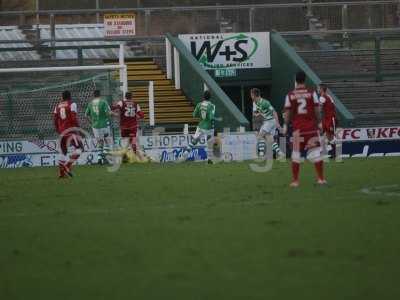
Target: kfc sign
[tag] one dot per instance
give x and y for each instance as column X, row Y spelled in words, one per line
column 368, row 134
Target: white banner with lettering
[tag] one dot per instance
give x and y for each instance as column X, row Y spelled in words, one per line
column 368, row 134
column 214, row 51
column 161, row 148
column 169, row 148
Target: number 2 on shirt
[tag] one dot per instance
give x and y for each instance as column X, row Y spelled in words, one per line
column 302, row 106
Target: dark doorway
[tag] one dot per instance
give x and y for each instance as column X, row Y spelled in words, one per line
column 240, row 95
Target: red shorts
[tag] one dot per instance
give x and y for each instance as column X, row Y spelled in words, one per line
column 128, row 132
column 70, row 140
column 329, row 125
column 303, row 141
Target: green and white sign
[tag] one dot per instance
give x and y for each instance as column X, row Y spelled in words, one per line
column 230, row 50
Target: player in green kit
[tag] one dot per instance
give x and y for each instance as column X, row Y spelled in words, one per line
column 205, row 111
column 263, row 108
column 99, row 114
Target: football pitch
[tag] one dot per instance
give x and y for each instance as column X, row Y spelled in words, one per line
column 197, row 231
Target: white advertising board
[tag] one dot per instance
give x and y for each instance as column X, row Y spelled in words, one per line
column 216, row 51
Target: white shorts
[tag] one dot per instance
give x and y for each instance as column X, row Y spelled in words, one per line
column 101, row 133
column 268, row 127
column 203, row 133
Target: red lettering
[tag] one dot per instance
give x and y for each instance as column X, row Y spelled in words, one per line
column 345, row 133
column 392, row 133
column 354, row 136
column 382, row 132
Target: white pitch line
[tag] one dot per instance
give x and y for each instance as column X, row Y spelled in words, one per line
column 380, row 190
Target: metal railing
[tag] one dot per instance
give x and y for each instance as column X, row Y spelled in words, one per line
column 353, row 56
column 252, row 17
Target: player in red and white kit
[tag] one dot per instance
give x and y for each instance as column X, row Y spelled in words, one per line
column 130, row 115
column 329, row 120
column 67, row 126
column 303, row 111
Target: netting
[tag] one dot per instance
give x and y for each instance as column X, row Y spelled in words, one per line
column 28, row 114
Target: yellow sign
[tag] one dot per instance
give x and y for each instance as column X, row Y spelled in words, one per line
column 117, row 25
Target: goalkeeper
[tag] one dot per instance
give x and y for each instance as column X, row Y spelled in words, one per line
column 99, row 114
column 205, row 111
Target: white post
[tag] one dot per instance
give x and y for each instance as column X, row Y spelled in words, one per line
column 125, row 79
column 121, row 54
column 205, row 87
column 186, row 129
column 123, row 73
column 177, row 70
column 168, row 54
column 151, row 103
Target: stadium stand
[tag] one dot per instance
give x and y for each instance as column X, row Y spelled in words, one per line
column 372, row 103
column 188, row 20
column 350, row 75
column 351, row 62
column 13, row 33
column 82, row 31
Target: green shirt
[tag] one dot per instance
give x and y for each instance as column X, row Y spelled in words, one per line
column 98, row 112
column 265, row 108
column 205, row 111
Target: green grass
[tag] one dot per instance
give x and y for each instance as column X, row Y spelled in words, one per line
column 193, row 231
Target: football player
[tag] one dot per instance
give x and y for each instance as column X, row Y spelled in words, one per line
column 130, row 114
column 67, row 126
column 205, row 111
column 329, row 120
column 99, row 114
column 302, row 110
column 270, row 117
